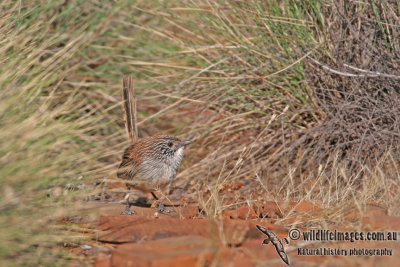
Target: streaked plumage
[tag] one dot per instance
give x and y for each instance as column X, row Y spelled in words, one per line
column 149, row 163
column 152, row 162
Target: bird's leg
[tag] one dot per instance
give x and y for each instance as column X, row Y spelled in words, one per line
column 161, row 208
column 159, row 205
column 128, row 210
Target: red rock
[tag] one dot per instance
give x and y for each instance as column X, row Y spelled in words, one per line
column 382, row 222
column 119, row 221
column 306, row 206
column 267, row 254
column 371, row 212
column 235, row 232
column 243, row 213
column 124, row 229
column 175, row 252
column 269, row 209
column 102, row 261
column 259, row 251
column 187, row 212
column 240, row 259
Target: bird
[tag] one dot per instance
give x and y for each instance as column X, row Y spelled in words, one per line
column 150, row 164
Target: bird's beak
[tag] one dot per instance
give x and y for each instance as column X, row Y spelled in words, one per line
column 183, row 143
column 186, row 142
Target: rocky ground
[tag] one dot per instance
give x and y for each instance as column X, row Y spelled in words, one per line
column 188, row 237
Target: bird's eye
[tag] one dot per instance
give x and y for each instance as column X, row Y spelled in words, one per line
column 170, row 144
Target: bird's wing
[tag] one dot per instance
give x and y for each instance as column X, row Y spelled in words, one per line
column 126, row 169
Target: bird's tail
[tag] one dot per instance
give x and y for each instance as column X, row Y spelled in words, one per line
column 130, row 109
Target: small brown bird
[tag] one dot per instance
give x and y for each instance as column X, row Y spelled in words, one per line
column 151, row 164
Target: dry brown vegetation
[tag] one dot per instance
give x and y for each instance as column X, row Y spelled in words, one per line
column 289, row 101
column 335, row 128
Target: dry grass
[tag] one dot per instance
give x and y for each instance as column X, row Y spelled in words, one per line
column 238, row 77
column 281, row 123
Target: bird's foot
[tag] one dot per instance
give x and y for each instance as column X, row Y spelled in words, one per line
column 161, row 208
column 128, row 211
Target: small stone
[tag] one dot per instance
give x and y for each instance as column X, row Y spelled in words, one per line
column 86, row 247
